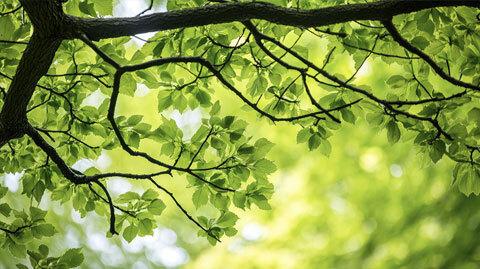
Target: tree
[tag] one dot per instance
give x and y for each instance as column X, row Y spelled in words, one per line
column 55, row 53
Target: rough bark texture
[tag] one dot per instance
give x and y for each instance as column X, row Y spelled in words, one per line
column 223, row 13
column 34, row 64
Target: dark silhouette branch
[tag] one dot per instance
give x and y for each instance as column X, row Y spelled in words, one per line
column 184, row 211
column 102, row 28
column 408, row 46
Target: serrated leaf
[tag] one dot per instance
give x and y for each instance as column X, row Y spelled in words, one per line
column 72, row 258
column 265, row 166
column 200, row 196
column 145, row 226
column 303, row 135
column 149, row 195
column 239, row 199
column 227, row 219
column 130, row 233
column 156, row 207
column 420, row 42
column 45, row 229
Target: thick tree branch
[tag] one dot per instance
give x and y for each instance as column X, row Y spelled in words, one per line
column 101, row 28
column 184, row 211
column 12, row 117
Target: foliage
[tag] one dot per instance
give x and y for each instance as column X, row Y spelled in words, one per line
column 307, row 77
column 369, row 205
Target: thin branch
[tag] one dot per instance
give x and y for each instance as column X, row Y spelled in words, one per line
column 106, row 201
column 379, row 53
column 111, row 206
column 13, row 42
column 408, row 46
column 200, row 148
column 146, row 10
column 184, row 211
column 11, row 11
column 99, row 52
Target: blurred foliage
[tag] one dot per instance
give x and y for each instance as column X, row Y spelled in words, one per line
column 376, row 193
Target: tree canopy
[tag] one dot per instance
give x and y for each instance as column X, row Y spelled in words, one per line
column 296, row 63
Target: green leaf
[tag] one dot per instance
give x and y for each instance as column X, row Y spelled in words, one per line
column 246, row 150
column 468, row 179
column 156, row 207
column 420, row 42
column 227, row 219
column 164, row 100
column 44, row 229
column 72, row 258
column 203, row 98
column 325, row 148
column 262, row 147
column 145, row 226
column 474, row 116
column 104, row 7
column 157, row 51
column 314, row 141
column 393, row 132
column 396, row 81
column 7, row 27
column 150, row 195
column 43, row 249
column 227, row 121
column 87, row 8
column 303, row 135
column 437, row 150
column 134, row 139
column 5, row 209
column 218, row 144
column 239, row 199
column 134, row 120
column 37, row 214
column 200, row 196
column 168, row 149
column 35, row 257
column 128, row 197
column 265, row 166
column 38, row 191
column 17, row 250
column 165, row 76
column 130, row 233
column 3, row 191
column 427, row 26
column 128, row 85
column 261, row 201
column 348, row 116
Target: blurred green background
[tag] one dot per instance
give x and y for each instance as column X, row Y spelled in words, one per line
column 369, row 205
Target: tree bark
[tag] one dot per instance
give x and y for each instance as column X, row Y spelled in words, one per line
column 35, row 62
column 101, row 28
column 47, row 19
